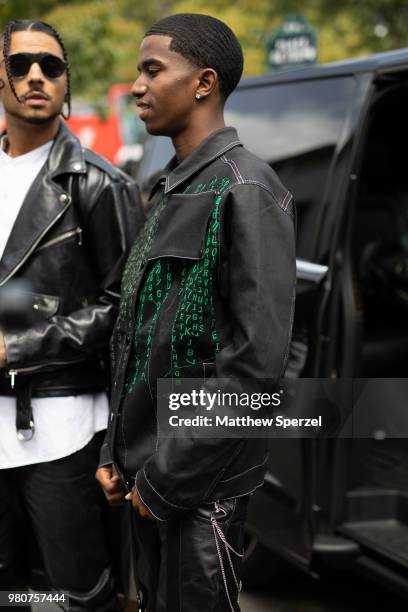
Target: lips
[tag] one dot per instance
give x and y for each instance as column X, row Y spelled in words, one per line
column 36, row 96
column 144, row 108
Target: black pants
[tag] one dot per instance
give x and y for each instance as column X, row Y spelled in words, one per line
column 186, row 565
column 61, row 503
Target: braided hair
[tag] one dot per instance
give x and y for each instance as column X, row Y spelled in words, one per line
column 22, row 25
column 207, row 42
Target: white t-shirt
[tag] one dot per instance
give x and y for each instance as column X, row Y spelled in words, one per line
column 16, row 177
column 63, row 425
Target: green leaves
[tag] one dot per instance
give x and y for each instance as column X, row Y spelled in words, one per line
column 103, row 36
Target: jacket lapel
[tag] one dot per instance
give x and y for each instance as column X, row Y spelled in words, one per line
column 44, row 204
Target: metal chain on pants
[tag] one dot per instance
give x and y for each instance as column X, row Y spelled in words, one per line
column 219, row 535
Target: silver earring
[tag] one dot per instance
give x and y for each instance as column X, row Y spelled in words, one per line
column 198, row 95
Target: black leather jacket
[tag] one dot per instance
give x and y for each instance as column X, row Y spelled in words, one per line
column 209, row 288
column 69, row 242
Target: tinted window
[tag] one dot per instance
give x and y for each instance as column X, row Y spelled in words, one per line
column 287, row 120
column 380, row 239
column 294, row 127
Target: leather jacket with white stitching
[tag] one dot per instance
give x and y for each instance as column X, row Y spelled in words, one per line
column 208, row 292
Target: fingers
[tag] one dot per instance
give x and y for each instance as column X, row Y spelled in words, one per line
column 111, row 485
column 115, row 499
column 138, row 505
column 114, row 492
column 3, row 355
column 115, row 475
column 104, row 473
column 104, row 477
column 145, row 513
column 107, row 478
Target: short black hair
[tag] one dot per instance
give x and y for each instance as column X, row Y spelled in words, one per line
column 24, row 25
column 207, row 42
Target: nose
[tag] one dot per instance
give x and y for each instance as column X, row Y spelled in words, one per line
column 35, row 73
column 138, row 88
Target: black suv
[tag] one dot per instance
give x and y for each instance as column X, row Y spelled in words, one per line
column 338, row 136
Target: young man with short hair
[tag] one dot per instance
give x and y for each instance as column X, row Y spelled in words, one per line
column 67, row 221
column 208, row 292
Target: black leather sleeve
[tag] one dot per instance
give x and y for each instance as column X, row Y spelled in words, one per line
column 111, row 218
column 258, row 279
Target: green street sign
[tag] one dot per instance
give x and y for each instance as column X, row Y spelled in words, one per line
column 294, row 44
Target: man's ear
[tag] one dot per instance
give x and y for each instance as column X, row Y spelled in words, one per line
column 1, row 83
column 208, row 82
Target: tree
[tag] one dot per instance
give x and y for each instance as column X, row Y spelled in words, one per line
column 103, row 36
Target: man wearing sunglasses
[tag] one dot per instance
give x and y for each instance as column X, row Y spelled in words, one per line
column 67, row 220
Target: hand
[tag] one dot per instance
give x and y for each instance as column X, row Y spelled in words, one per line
column 111, row 485
column 137, row 503
column 3, row 356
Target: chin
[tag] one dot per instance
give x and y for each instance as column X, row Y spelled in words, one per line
column 34, row 118
column 40, row 119
column 154, row 130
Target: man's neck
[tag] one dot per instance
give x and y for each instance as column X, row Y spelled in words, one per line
column 23, row 138
column 187, row 142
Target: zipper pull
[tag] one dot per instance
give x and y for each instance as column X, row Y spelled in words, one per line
column 12, row 374
column 79, row 236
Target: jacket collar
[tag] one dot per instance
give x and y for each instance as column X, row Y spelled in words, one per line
column 66, row 154
column 218, row 143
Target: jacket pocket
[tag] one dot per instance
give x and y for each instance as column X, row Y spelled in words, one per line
column 182, row 226
column 74, row 234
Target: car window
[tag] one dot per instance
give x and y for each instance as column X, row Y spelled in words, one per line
column 295, row 128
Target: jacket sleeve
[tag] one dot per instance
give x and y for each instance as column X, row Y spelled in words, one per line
column 109, row 230
column 258, row 279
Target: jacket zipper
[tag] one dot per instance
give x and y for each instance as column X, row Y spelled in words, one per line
column 14, row 372
column 40, row 237
column 76, row 232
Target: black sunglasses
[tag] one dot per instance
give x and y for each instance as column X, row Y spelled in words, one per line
column 51, row 66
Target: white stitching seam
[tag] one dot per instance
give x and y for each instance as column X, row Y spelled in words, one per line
column 288, row 197
column 255, row 182
column 147, row 506
column 246, row 471
column 267, row 187
column 279, row 202
column 229, row 163
column 237, row 169
column 161, row 497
